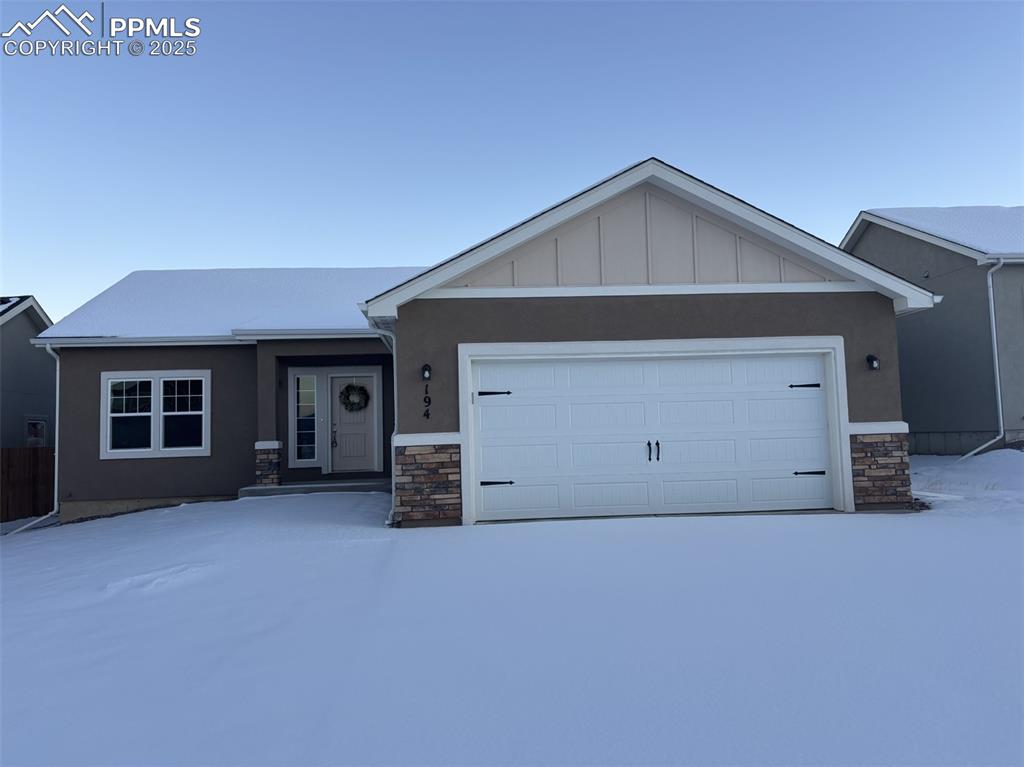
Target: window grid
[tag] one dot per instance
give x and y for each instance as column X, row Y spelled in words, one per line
column 305, row 418
column 131, row 399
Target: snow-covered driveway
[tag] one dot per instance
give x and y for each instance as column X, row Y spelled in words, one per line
column 297, row 630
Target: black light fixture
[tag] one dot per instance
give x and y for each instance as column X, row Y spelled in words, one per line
column 873, row 363
column 425, row 372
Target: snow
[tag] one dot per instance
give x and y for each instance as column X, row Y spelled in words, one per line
column 991, row 229
column 215, row 302
column 298, row 630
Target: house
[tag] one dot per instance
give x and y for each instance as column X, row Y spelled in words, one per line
column 961, row 364
column 651, row 345
column 27, row 375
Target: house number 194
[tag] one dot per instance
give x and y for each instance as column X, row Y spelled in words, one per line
column 426, row 401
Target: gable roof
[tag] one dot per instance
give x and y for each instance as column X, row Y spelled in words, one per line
column 11, row 306
column 906, row 295
column 225, row 305
column 983, row 232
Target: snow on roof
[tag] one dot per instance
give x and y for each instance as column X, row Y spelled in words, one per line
column 9, row 302
column 991, row 229
column 198, row 303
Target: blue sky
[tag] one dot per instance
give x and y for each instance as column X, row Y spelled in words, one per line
column 344, row 134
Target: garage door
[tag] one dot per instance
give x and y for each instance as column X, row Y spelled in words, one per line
column 595, row 437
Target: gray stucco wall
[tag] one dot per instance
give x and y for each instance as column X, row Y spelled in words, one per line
column 1008, row 289
column 429, row 331
column 27, row 379
column 945, row 352
column 231, row 463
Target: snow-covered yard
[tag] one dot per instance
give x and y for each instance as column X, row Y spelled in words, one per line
column 298, row 630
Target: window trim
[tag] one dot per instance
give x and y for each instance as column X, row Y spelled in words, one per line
column 156, row 414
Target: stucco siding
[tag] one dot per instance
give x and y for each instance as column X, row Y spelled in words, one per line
column 429, row 331
column 27, row 380
column 945, row 352
column 1008, row 289
column 84, row 477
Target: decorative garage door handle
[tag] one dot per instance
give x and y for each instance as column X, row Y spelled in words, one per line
column 488, row 484
column 648, row 451
column 491, row 393
column 805, row 386
column 819, row 473
column 657, row 446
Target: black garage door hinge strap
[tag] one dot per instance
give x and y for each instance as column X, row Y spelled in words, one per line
column 820, row 473
column 486, row 483
column 491, row 393
column 805, row 386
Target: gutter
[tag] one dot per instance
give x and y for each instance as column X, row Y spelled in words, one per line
column 56, row 447
column 391, row 342
column 995, row 363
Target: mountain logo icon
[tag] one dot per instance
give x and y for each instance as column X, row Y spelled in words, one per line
column 62, row 17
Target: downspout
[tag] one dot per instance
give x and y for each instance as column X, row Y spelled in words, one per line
column 995, row 363
column 394, row 431
column 56, row 446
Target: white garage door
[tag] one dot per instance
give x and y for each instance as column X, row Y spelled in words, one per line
column 591, row 437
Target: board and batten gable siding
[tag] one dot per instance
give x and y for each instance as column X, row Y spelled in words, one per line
column 946, row 352
column 645, row 236
column 84, row 478
column 430, row 330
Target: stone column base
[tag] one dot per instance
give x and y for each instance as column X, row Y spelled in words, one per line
column 268, row 462
column 881, row 471
column 428, row 485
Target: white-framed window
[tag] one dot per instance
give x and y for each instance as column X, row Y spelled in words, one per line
column 155, row 414
column 305, row 418
column 36, row 428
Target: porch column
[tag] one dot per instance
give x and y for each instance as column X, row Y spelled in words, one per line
column 268, row 447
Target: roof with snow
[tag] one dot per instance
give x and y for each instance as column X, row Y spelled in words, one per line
column 8, row 303
column 992, row 230
column 229, row 304
column 11, row 306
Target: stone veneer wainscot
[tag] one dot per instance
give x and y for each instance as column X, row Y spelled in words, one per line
column 881, row 471
column 428, row 485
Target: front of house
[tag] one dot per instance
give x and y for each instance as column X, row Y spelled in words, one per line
column 651, row 345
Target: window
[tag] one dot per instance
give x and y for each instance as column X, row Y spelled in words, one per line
column 155, row 414
column 305, row 418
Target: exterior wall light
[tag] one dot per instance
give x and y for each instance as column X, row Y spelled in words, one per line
column 425, row 372
column 873, row 363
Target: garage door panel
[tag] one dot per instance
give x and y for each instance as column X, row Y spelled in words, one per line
column 619, row 497
column 518, row 418
column 530, row 458
column 571, row 436
column 697, row 413
column 520, row 376
column 604, row 455
column 603, row 416
column 694, row 373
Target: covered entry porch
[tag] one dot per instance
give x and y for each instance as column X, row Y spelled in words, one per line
column 325, row 415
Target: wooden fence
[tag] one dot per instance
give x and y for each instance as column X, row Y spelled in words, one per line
column 26, row 482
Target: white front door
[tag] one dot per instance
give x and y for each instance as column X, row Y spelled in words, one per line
column 354, row 423
column 593, row 437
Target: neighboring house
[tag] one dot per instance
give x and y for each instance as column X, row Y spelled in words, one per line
column 27, row 375
column 974, row 258
column 651, row 345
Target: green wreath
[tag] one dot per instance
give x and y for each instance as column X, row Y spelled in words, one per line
column 354, row 397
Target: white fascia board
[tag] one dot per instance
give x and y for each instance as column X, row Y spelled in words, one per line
column 28, row 303
column 650, row 290
column 301, row 333
column 788, row 236
column 906, row 295
column 864, row 218
column 386, row 305
column 148, row 341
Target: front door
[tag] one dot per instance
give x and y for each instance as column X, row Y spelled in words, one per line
column 354, row 423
